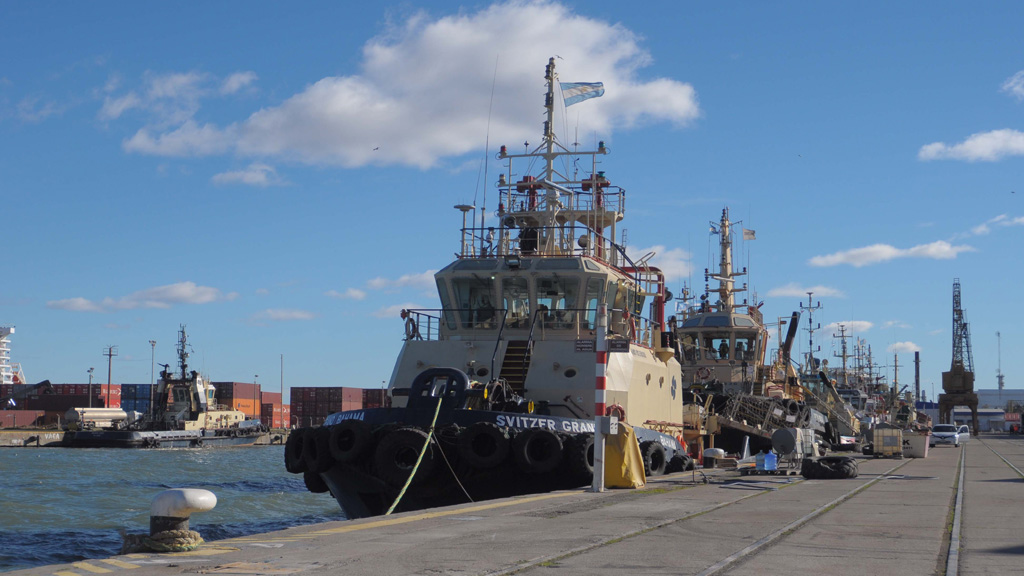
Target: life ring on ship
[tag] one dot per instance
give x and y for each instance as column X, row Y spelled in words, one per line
column 703, row 372
column 293, row 460
column 315, row 450
column 483, row 445
column 412, row 330
column 348, row 440
column 396, row 456
column 616, row 410
column 537, row 450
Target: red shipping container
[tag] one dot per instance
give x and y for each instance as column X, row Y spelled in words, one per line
column 322, row 410
column 286, row 415
column 353, row 395
column 323, row 395
column 270, row 398
column 20, row 418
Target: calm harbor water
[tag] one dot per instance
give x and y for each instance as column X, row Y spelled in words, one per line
column 62, row 505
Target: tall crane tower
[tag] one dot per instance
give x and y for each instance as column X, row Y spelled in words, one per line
column 958, row 383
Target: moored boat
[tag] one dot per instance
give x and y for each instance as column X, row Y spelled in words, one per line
column 494, row 393
column 185, row 415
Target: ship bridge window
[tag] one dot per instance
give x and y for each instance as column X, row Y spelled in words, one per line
column 474, row 298
column 446, row 303
column 593, row 299
column 716, row 346
column 746, row 346
column 515, row 294
column 591, row 266
column 741, row 321
column 692, row 322
column 484, row 264
column 180, row 395
column 717, row 321
column 557, row 300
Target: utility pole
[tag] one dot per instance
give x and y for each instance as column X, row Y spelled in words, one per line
column 152, row 375
column 109, row 352
column 999, row 369
column 917, row 377
column 91, row 369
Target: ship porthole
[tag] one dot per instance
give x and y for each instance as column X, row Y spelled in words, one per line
column 481, row 372
column 570, row 372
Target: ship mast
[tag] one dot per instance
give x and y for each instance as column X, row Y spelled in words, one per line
column 725, row 275
column 182, row 353
column 811, row 308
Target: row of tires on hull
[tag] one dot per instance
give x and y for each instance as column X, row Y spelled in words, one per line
column 390, row 452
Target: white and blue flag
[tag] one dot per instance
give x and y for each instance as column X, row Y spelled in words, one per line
column 574, row 92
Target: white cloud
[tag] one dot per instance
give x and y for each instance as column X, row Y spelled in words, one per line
column 674, row 263
column 984, row 146
column 421, row 280
column 256, row 174
column 1014, row 85
column 852, row 326
column 396, row 310
column 283, row 315
column 237, row 81
column 189, row 139
column 157, row 297
column 262, row 291
column 33, row 110
column 895, row 324
column 938, row 250
column 796, row 290
column 424, row 88
column 903, row 347
column 114, row 107
column 350, row 294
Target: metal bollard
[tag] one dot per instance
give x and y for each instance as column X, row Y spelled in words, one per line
column 171, row 509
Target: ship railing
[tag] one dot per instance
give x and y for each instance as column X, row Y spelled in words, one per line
column 560, row 323
column 515, row 237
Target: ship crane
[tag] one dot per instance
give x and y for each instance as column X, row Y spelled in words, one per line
column 958, row 382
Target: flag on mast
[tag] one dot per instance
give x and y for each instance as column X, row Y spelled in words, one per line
column 748, row 234
column 575, row 92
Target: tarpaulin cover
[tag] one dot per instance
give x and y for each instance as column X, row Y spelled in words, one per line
column 624, row 465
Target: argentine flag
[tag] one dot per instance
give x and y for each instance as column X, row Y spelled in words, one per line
column 574, row 92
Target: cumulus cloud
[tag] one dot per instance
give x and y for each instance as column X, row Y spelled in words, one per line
column 157, row 297
column 237, row 81
column 283, row 315
column 256, row 174
column 421, row 280
column 983, row 146
column 798, row 291
column 1000, row 221
column 938, row 250
column 350, row 294
column 674, row 263
column 903, row 347
column 33, row 110
column 189, row 139
column 1014, row 85
column 423, row 91
column 851, row 326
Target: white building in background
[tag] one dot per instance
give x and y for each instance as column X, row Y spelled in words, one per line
column 6, row 370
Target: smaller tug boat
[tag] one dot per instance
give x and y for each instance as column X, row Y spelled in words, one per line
column 495, row 394
column 185, row 415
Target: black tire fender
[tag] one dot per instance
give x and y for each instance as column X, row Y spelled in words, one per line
column 349, row 440
column 293, row 460
column 396, row 456
column 655, row 461
column 537, row 450
column 483, row 445
column 315, row 450
column 314, row 483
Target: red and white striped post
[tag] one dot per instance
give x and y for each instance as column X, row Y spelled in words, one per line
column 600, row 396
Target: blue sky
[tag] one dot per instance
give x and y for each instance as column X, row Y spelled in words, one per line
column 280, row 176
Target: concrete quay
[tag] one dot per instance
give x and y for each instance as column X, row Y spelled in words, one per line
column 896, row 517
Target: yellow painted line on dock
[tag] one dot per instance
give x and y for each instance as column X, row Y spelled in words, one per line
column 91, row 568
column 120, row 564
column 66, row 573
column 429, row 515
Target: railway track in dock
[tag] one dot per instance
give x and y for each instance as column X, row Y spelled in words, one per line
column 952, row 513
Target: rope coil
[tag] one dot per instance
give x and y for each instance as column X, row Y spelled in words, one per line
column 174, row 541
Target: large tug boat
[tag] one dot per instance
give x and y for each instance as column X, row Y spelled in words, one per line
column 736, row 396
column 185, row 415
column 493, row 395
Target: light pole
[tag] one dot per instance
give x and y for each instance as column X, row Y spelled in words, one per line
column 152, row 375
column 255, row 393
column 90, row 386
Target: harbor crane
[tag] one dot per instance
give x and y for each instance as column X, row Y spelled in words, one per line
column 958, row 383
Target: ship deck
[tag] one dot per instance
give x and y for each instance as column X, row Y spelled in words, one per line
column 955, row 511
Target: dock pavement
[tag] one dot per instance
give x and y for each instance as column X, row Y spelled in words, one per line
column 899, row 516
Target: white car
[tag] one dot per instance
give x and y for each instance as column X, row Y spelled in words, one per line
column 948, row 434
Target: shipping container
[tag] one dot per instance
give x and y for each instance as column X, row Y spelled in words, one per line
column 227, row 390
column 21, row 418
column 270, row 398
column 335, row 394
column 323, row 395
